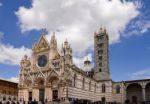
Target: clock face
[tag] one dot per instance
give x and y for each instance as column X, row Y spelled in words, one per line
column 42, row 60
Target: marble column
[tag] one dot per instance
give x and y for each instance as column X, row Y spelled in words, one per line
column 35, row 94
column 125, row 94
column 143, row 94
column 48, row 94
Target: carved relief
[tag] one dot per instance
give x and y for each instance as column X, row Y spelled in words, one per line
column 28, row 83
column 39, row 81
column 25, row 62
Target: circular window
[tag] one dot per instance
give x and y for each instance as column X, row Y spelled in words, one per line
column 42, row 60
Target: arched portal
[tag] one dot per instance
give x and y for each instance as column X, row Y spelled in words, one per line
column 53, row 82
column 28, row 83
column 134, row 93
column 147, row 90
column 40, row 83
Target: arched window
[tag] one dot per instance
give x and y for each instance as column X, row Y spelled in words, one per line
column 95, row 87
column 83, row 83
column 117, row 89
column 74, row 80
column 103, row 88
column 90, row 86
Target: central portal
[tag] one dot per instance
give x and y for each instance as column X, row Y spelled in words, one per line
column 55, row 95
column 30, row 96
column 41, row 94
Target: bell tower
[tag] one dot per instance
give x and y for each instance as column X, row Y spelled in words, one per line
column 101, row 45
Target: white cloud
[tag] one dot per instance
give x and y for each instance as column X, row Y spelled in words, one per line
column 146, row 27
column 11, row 55
column 13, row 79
column 141, row 74
column 138, row 27
column 79, row 61
column 77, row 20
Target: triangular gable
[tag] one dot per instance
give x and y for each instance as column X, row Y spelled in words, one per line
column 39, row 74
column 52, row 74
column 42, row 45
column 57, row 56
column 28, row 77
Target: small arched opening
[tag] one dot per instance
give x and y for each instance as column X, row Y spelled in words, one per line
column 118, row 89
column 103, row 88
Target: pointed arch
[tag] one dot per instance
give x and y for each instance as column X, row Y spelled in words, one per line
column 95, row 86
column 103, row 88
column 52, row 79
column 90, row 86
column 83, row 81
column 39, row 81
column 74, row 80
column 118, row 89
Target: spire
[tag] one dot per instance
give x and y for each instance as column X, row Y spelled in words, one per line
column 53, row 42
column 66, row 43
column 102, row 30
column 66, row 52
column 67, row 47
column 53, row 38
column 53, row 34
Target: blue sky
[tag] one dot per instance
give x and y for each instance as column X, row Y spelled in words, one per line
column 128, row 25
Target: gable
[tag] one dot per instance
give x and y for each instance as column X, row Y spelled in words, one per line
column 42, row 45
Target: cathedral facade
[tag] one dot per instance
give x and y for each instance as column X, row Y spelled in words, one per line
column 50, row 74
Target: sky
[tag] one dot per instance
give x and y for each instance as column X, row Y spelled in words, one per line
column 127, row 23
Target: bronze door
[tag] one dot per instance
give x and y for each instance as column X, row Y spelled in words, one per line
column 30, row 96
column 41, row 94
column 55, row 95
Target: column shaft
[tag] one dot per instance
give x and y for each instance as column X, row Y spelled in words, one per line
column 143, row 93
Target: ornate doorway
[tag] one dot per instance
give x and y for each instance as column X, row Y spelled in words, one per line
column 55, row 95
column 41, row 94
column 30, row 96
